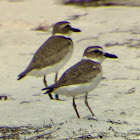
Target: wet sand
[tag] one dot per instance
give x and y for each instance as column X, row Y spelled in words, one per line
column 115, row 102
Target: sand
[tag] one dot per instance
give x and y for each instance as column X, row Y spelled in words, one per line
column 115, row 102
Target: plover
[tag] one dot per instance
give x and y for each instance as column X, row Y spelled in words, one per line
column 53, row 53
column 83, row 77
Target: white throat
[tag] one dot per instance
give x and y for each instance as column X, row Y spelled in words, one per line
column 98, row 60
column 65, row 35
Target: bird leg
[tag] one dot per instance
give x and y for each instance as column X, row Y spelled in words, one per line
column 56, row 95
column 56, row 76
column 45, row 83
column 74, row 105
column 86, row 103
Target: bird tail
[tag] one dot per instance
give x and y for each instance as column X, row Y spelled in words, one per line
column 49, row 90
column 22, row 75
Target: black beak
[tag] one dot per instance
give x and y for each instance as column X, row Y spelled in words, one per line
column 75, row 30
column 110, row 55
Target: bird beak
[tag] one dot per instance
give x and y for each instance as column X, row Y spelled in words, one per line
column 75, row 30
column 110, row 55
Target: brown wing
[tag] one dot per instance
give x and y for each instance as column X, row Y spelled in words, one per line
column 47, row 54
column 82, row 72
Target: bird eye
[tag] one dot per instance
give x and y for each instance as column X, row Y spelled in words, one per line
column 96, row 51
column 67, row 26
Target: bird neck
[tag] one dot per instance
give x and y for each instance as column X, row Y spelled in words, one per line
column 64, row 35
column 98, row 60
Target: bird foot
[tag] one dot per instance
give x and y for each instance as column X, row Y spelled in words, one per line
column 60, row 99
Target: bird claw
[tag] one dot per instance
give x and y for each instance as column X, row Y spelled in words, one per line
column 60, row 99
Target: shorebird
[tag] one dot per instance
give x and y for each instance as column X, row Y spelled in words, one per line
column 83, row 77
column 53, row 53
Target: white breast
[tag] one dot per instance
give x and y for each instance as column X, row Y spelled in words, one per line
column 74, row 90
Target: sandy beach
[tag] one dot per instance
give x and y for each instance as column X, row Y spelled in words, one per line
column 115, row 102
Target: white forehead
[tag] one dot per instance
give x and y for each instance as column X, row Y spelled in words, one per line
column 61, row 25
column 92, row 48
